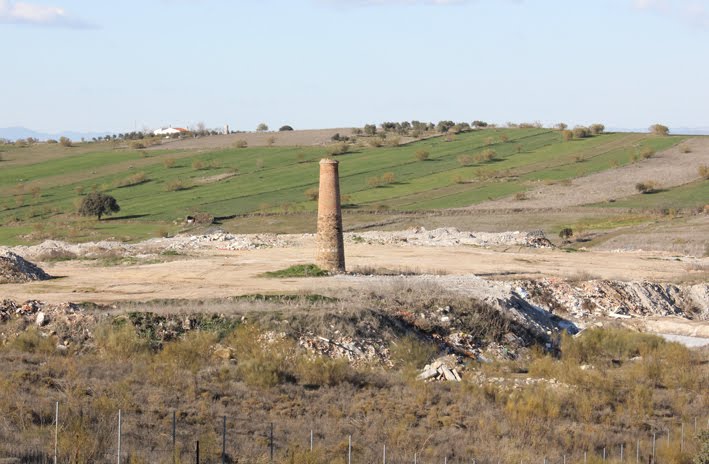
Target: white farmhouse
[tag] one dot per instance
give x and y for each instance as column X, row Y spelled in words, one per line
column 168, row 131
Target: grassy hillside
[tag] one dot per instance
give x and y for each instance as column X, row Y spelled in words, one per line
column 156, row 188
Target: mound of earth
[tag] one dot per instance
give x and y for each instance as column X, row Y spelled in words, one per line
column 14, row 269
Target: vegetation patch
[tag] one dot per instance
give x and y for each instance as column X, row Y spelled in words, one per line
column 298, row 270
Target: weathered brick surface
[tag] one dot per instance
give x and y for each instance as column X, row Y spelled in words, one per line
column 330, row 252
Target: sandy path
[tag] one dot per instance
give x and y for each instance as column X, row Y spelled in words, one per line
column 221, row 273
column 669, row 168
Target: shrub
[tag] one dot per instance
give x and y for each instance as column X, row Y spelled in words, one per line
column 270, row 141
column 241, row 143
column 411, row 353
column 394, row 141
column 659, row 129
column 263, row 127
column 686, row 149
column 312, row 194
column 422, row 155
column 646, row 187
column 98, row 204
column 520, row 196
column 458, row 179
column 703, row 171
column 465, row 160
column 120, row 340
column 135, row 179
column 338, row 149
column 566, row 233
column 198, row 165
column 168, row 162
column 647, row 153
column 581, row 132
column 486, row 155
column 504, row 138
column 65, row 142
column 51, row 141
column 259, row 164
column 374, row 182
column 567, row 135
column 370, row 129
column 388, row 178
column 137, row 145
column 285, row 128
column 175, row 185
column 375, row 142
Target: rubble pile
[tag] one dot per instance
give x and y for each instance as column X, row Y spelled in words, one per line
column 616, row 299
column 360, row 351
column 445, row 368
column 14, row 269
column 450, row 236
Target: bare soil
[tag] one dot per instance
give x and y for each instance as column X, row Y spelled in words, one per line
column 669, row 168
column 220, row 273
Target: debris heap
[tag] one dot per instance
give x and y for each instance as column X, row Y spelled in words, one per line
column 14, row 269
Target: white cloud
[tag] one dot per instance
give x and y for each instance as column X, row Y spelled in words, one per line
column 32, row 13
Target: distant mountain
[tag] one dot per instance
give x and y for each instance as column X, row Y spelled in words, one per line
column 14, row 133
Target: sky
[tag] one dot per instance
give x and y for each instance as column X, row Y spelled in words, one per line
column 102, row 65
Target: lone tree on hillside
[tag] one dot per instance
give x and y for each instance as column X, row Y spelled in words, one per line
column 659, row 129
column 285, row 128
column 262, row 127
column 98, row 204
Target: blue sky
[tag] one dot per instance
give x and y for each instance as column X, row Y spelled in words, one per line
column 105, row 65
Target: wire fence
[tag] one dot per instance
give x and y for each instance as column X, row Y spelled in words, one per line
column 234, row 441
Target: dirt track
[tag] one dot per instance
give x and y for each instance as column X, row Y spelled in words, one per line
column 669, row 168
column 219, row 273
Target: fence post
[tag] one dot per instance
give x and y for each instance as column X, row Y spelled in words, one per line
column 384, row 455
column 349, row 450
column 621, row 452
column 637, row 451
column 271, row 442
column 311, row 440
column 56, row 430
column 604, row 455
column 223, row 439
column 585, row 457
column 174, row 437
column 681, row 443
column 119, row 436
column 654, row 437
column 196, row 452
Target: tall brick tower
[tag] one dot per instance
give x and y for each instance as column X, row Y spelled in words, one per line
column 330, row 253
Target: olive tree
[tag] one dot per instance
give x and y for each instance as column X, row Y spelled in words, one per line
column 262, row 127
column 98, row 204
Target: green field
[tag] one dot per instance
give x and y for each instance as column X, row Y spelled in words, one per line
column 38, row 198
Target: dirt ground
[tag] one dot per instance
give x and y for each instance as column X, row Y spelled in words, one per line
column 668, row 168
column 219, row 273
column 258, row 139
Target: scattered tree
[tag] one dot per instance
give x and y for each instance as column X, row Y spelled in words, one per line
column 581, row 132
column 597, row 128
column 262, row 127
column 285, row 128
column 561, row 126
column 659, row 129
column 65, row 142
column 98, row 204
column 370, row 129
